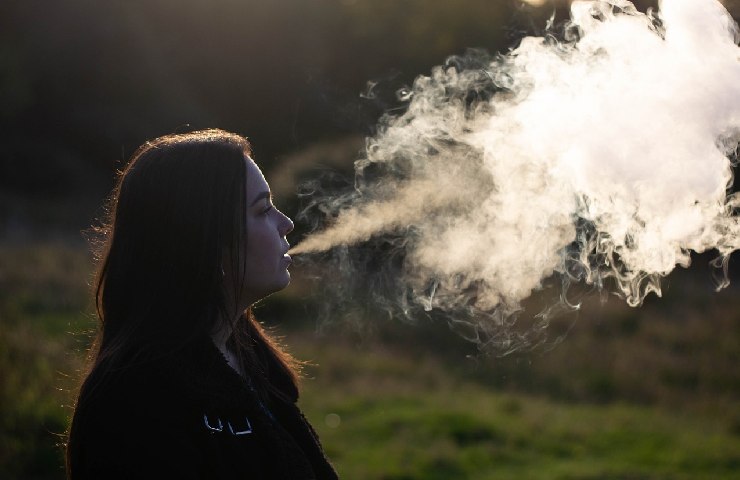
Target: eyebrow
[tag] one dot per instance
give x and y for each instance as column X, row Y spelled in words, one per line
column 260, row 196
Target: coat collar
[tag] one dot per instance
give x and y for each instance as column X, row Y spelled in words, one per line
column 201, row 373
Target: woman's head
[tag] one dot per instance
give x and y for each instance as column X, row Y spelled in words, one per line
column 192, row 240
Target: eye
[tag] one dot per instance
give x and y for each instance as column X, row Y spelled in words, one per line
column 268, row 207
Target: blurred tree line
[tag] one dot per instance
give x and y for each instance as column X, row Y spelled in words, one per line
column 84, row 82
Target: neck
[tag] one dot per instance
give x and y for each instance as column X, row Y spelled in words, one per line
column 220, row 337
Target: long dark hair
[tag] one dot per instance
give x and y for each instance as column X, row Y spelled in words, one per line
column 177, row 212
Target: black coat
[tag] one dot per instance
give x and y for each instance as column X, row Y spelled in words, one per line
column 191, row 416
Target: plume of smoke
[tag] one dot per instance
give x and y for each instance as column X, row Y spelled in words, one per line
column 603, row 159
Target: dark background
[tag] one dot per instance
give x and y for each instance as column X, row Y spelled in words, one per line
column 84, row 82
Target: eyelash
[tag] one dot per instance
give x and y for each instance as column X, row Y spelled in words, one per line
column 267, row 210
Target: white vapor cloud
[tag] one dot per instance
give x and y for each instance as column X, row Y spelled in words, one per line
column 603, row 159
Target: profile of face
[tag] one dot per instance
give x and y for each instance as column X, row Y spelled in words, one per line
column 266, row 257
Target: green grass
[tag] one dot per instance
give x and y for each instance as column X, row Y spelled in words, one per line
column 43, row 320
column 423, row 423
column 629, row 394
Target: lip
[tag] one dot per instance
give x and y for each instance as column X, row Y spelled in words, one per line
column 287, row 258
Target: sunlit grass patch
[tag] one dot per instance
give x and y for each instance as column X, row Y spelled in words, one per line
column 458, row 429
column 38, row 375
column 43, row 325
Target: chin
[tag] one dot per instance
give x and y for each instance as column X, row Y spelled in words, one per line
column 277, row 286
column 285, row 283
column 268, row 284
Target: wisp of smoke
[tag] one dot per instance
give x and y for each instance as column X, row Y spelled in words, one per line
column 602, row 158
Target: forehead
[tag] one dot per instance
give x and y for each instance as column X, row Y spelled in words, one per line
column 256, row 182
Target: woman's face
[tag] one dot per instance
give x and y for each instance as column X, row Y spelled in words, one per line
column 266, row 255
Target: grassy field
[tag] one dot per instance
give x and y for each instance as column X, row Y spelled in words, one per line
column 391, row 416
column 629, row 393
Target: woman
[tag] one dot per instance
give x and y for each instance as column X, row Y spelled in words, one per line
column 184, row 383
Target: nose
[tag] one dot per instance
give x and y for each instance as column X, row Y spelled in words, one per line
column 286, row 225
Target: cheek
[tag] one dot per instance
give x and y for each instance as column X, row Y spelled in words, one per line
column 260, row 248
